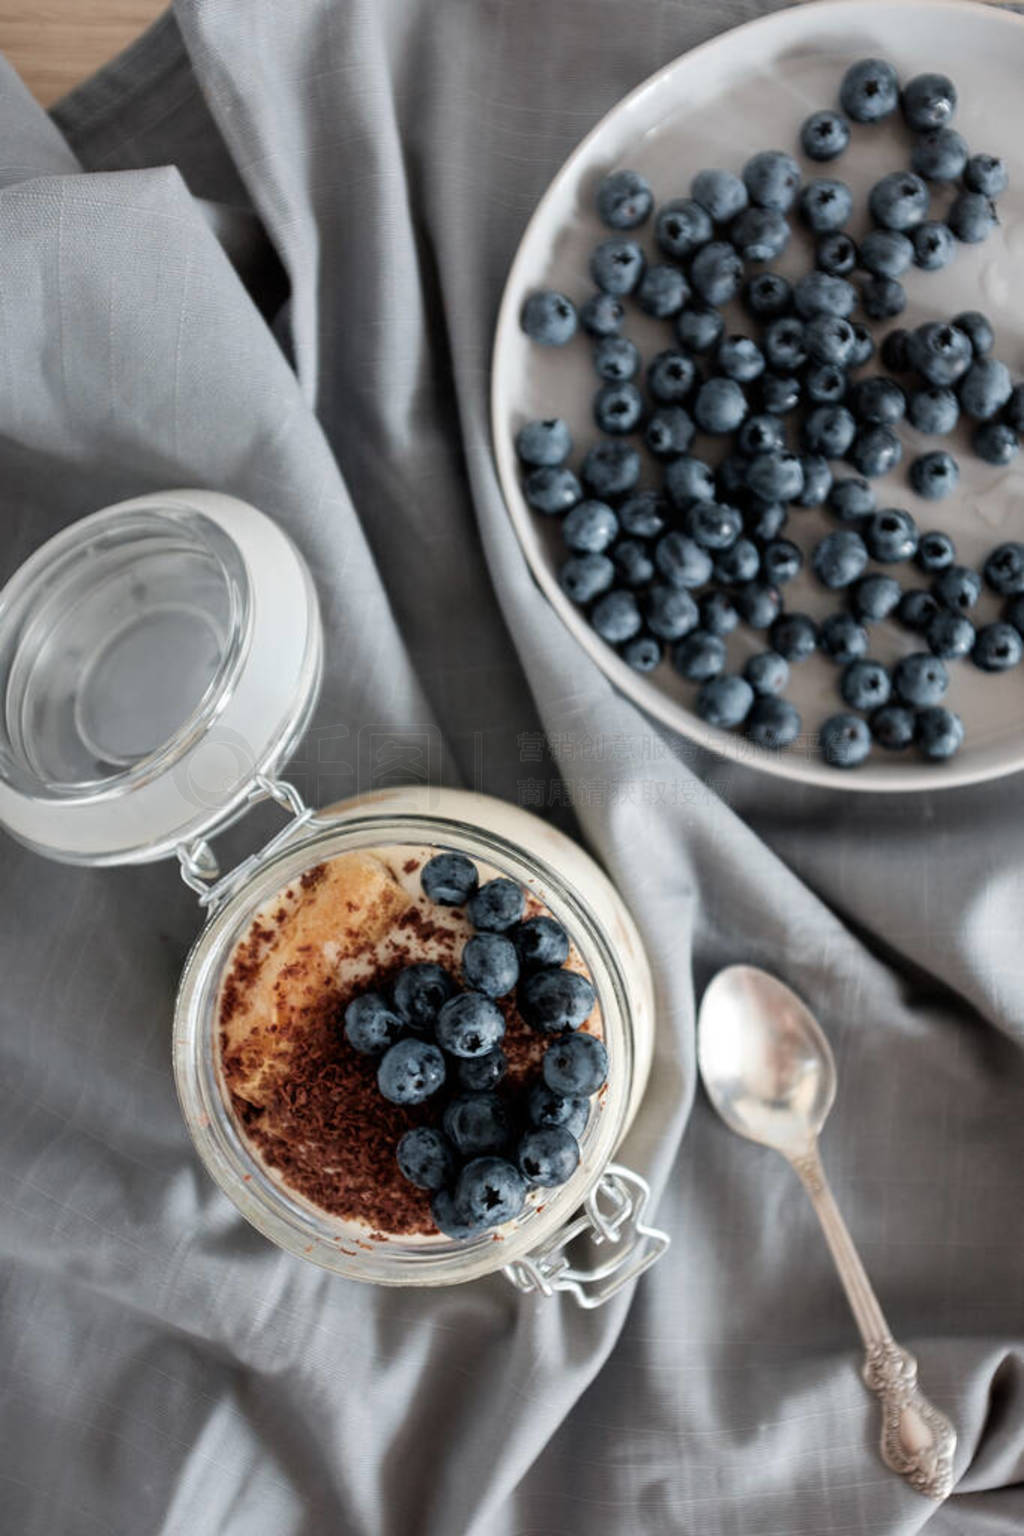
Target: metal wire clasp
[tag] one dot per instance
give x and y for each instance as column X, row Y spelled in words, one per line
column 198, row 862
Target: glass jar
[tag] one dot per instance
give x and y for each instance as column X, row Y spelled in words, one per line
column 160, row 660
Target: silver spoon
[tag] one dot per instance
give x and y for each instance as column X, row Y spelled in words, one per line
column 770, row 1073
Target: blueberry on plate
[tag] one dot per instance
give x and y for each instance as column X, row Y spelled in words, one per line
column 714, row 525
column 731, row 476
column 584, row 577
column 689, row 479
column 609, row 469
column 670, row 377
column 783, row 343
column 934, row 475
column 842, row 639
column 839, row 558
column 985, row 388
column 829, row 339
column 996, row 442
column 895, row 351
column 772, row 179
column 940, row 352
column 950, row 635
column 549, row 318
column 670, row 612
column 450, row 1219
column 449, row 879
column 852, row 499
column 425, row 1157
column 778, row 393
column 794, row 636
column 643, row 515
column 720, row 407
column 548, row 1155
column 829, row 430
column 553, row 1000
column 617, row 266
column 682, row 227
column 758, row 603
column 718, row 613
column 662, row 291
column 737, row 566
column 589, row 528
column 869, row 91
column 616, row 359
column 762, row 520
column 699, row 327
column 616, row 616
column 716, row 272
column 763, row 433
column 479, row 1074
column 633, row 564
column 997, row 648
column 892, row 727
column 844, row 740
column 899, row 201
column 928, row 102
column 544, row 1107
column 767, row 672
column 544, row 444
column 865, row 685
column 940, row 155
column 490, row 1191
column 575, row 1065
column 824, row 135
column 863, row 345
column 420, row 990
column 699, row 656
column 681, row 561
column 739, row 358
column 891, row 535
column 720, row 192
column 618, row 408
column 602, row 315
column 540, row 942
column 781, row 561
column 817, row 480
column 936, row 551
column 826, row 383
column 978, row 329
column 496, row 906
column 371, row 1026
column 934, row 410
column 825, row 204
column 778, row 476
column 772, row 723
column 920, row 679
column 724, row 700
column 882, row 298
column 986, row 174
column 879, row 401
column 916, row 609
column 874, row 597
column 875, row 451
column 957, row 587
column 643, row 653
column 816, row 293
column 552, row 491
column 972, row 217
column 1004, row 569
column 768, row 295
column 939, row 733
column 624, row 199
column 669, row 432
column 885, row 253
column 476, row 1123
column 934, row 246
column 410, row 1071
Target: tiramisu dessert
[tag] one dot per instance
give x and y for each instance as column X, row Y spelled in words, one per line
column 410, row 1042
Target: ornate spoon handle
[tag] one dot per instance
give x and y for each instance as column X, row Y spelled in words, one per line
column 918, row 1440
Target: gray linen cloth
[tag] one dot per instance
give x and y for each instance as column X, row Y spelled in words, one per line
column 165, row 1370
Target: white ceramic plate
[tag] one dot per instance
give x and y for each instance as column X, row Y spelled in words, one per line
column 747, row 90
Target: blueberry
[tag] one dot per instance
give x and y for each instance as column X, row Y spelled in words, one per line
column 939, row 733
column 633, row 564
column 584, row 577
column 845, row 741
column 863, row 345
column 997, row 648
column 602, row 315
column 768, row 295
column 490, row 1191
column 865, row 685
column 825, row 204
column 829, row 339
column 549, row 318
column 544, row 1107
column 716, row 272
column 916, row 609
column 618, row 408
column 681, row 561
column 470, row 1024
column 720, row 407
column 886, row 253
column 643, row 653
column 624, row 199
column 682, row 227
column 839, row 558
column 616, row 359
column 934, row 475
column 779, row 393
column 842, row 639
column 899, row 201
column 616, row 617
column 553, row 1000
column 851, row 499
column 772, row 723
column 977, row 328
column 782, row 560
column 544, row 444
column 876, row 450
column 882, row 298
column 497, row 905
column 662, row 291
column 425, row 1157
column 687, row 480
column 548, row 1156
column 739, row 358
column 873, row 598
column 718, row 613
column 929, row 101
column 891, row 535
column 371, row 1027
column 772, row 179
column 760, row 234
column 617, row 266
column 777, row 476
column 818, row 294
column 670, row 612
column 986, row 174
column 699, row 656
column 724, row 701
column 540, row 941
column 941, row 353
column 713, row 525
column 936, row 551
column 421, row 989
column 552, row 490
column 895, row 352
column 450, row 1219
column 996, row 442
column 934, row 246
column 576, row 1065
column 759, row 603
column 1004, row 569
column 476, row 1123
column 479, row 1074
column 794, row 636
column 879, row 401
column 410, row 1071
column 1013, row 415
column 610, row 469
column 972, row 217
column 985, row 388
column 835, row 254
column 643, row 515
column 824, row 135
column 669, row 432
column 589, row 528
column 720, row 192
column 817, row 480
column 830, row 430
column 950, row 635
column 783, row 343
column 761, row 434
column 939, row 155
column 766, row 672
column 670, row 377
column 699, row 327
column 892, row 727
column 738, row 566
column 449, row 879
column 935, row 410
column 920, row 679
column 869, row 91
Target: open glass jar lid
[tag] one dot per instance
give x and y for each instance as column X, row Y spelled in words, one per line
column 108, row 754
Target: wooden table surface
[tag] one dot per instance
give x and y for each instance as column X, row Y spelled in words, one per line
column 53, row 44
